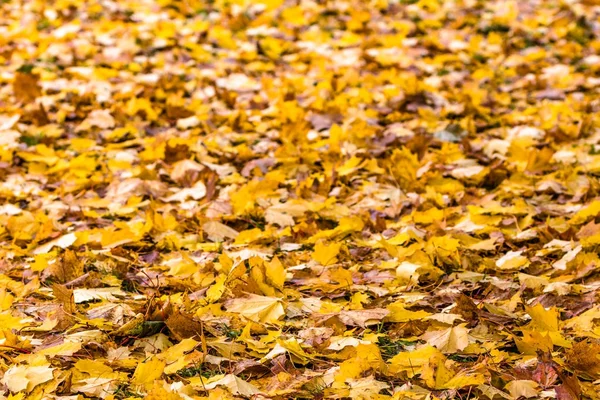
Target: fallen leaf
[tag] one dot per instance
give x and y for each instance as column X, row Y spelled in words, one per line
column 522, row 388
column 257, row 308
column 449, row 340
column 362, row 318
column 326, row 254
column 235, row 385
column 147, row 372
column 25, row 378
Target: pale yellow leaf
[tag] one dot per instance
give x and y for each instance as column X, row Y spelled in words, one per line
column 449, row 340
column 24, row 378
column 257, row 308
column 235, row 385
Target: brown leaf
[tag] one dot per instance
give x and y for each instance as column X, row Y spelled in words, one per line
column 177, row 152
column 249, row 367
column 589, row 229
column 37, row 114
column 25, row 87
column 467, row 309
column 64, row 297
column 182, row 325
column 545, row 372
column 68, row 267
column 583, row 357
column 363, row 318
column 569, row 389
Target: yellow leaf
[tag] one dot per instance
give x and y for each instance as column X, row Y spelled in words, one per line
column 215, row 292
column 177, row 351
column 8, row 321
column 366, row 388
column 257, row 308
column 275, row 273
column 291, row 346
column 147, row 372
column 93, row 367
column 522, row 388
column 399, row 314
column 533, row 341
column 408, row 272
column 428, row 217
column 435, row 373
column 181, row 266
column 542, row 319
column 444, row 248
column 24, row 378
column 412, row 361
column 403, row 165
column 349, row 166
column 235, row 385
column 326, row 254
column 258, row 275
column 6, row 299
column 586, row 213
column 367, row 357
column 63, row 349
column 512, row 260
column 218, row 232
column 294, row 15
column 463, row 379
column 248, row 236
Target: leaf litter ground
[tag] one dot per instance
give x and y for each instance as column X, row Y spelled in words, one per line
column 281, row 199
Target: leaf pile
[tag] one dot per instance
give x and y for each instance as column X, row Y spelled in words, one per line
column 273, row 199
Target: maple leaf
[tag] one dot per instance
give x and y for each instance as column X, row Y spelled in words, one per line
column 257, row 308
column 448, row 340
column 363, row 318
column 25, row 378
column 522, row 388
column 25, row 84
column 326, row 254
column 584, row 357
column 365, row 388
column 235, row 385
column 411, row 361
column 146, row 373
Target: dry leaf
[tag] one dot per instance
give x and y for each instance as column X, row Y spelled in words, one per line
column 257, row 308
column 235, row 385
column 25, row 86
column 449, row 340
column 25, row 378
